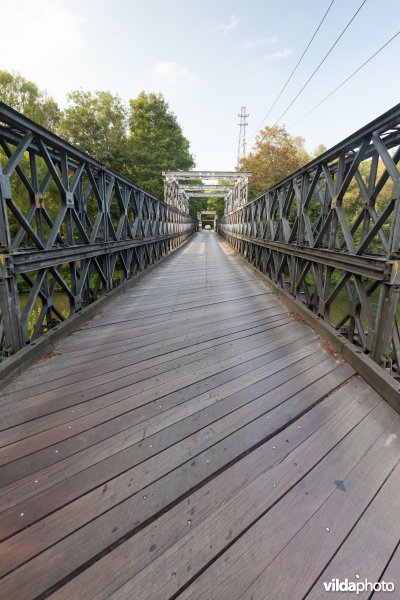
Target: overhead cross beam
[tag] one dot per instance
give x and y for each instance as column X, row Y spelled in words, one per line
column 231, row 185
column 221, row 189
column 227, row 175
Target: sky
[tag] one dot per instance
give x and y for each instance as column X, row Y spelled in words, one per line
column 210, row 58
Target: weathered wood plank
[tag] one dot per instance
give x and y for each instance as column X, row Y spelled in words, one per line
column 103, row 531
column 149, row 389
column 94, row 377
column 191, row 441
column 243, row 569
column 108, row 458
column 392, row 574
column 221, row 510
column 378, row 530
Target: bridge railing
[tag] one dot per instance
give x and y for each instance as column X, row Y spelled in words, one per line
column 329, row 236
column 70, row 230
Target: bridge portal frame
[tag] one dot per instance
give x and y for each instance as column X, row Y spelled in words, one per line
column 234, row 187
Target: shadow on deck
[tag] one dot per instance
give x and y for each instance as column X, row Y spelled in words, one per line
column 195, row 441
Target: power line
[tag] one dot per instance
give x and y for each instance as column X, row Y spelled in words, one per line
column 321, row 63
column 347, row 78
column 294, row 70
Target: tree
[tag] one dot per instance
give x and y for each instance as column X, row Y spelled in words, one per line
column 25, row 96
column 156, row 142
column 97, row 124
column 320, row 149
column 217, row 204
column 276, row 155
column 197, row 205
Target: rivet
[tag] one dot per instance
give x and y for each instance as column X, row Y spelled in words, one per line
column 151, row 445
column 208, row 462
column 70, row 427
column 327, row 529
column 189, row 522
column 274, row 485
column 273, row 447
column 144, row 497
column 299, row 427
column 36, row 481
column 155, row 426
column 357, row 575
column 267, row 417
column 56, row 451
column 21, row 515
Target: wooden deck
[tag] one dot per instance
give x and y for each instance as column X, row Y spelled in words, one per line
column 195, row 441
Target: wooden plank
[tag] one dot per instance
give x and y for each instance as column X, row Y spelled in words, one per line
column 118, row 417
column 154, row 357
column 156, row 332
column 56, row 367
column 222, row 508
column 370, row 545
column 93, row 377
column 392, row 574
column 189, row 442
column 159, row 339
column 178, row 313
column 244, row 568
column 147, row 390
column 32, row 427
column 13, row 552
column 177, row 307
column 89, row 540
column 65, row 416
column 122, row 452
column 185, row 321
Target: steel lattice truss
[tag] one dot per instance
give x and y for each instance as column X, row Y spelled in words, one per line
column 329, row 235
column 68, row 226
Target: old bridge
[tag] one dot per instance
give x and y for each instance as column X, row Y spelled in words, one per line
column 197, row 414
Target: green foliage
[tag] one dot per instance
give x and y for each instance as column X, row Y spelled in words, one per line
column 217, row 204
column 156, row 142
column 97, row 124
column 197, row 205
column 139, row 141
column 24, row 95
column 320, row 149
column 276, row 155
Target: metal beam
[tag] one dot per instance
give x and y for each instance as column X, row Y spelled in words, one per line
column 178, row 175
column 205, row 188
column 202, row 194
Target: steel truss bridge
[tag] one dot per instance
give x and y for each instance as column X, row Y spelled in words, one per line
column 196, row 415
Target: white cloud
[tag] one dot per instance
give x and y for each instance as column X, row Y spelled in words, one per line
column 229, row 25
column 279, row 54
column 251, row 44
column 168, row 72
column 36, row 34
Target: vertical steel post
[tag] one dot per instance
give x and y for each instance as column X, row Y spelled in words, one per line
column 9, row 303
